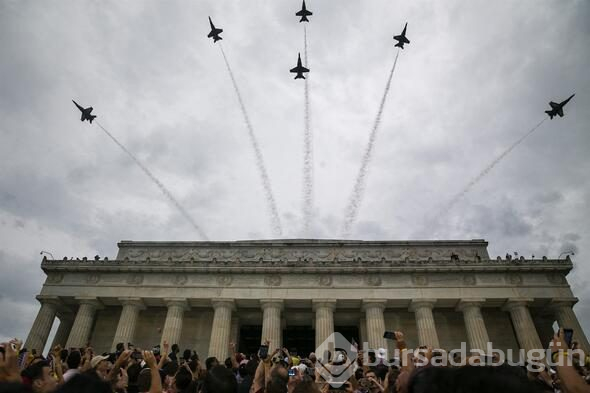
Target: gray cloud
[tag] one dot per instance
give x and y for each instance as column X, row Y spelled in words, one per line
column 476, row 76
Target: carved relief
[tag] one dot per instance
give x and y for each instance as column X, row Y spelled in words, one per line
column 55, row 278
column 179, row 279
column 92, row 278
column 135, row 279
column 469, row 279
column 325, row 280
column 273, row 280
column 556, row 278
column 514, row 279
column 224, row 280
column 419, row 279
column 373, row 280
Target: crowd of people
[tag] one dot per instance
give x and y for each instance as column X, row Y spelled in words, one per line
column 166, row 369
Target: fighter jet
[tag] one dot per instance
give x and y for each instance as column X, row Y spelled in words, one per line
column 401, row 39
column 85, row 113
column 304, row 13
column 557, row 109
column 214, row 32
column 299, row 70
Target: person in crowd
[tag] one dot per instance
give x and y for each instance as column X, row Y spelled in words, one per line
column 173, row 356
column 220, row 379
column 73, row 362
column 38, row 377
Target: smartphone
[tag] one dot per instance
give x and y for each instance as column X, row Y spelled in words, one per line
column 389, row 335
column 137, row 355
column 568, row 334
column 292, row 372
column 263, row 351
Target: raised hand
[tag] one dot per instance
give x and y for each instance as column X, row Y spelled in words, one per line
column 150, row 359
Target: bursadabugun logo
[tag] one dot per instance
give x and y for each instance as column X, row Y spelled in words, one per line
column 336, row 358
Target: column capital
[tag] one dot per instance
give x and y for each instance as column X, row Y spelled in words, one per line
column 223, row 303
column 323, row 303
column 132, row 301
column 422, row 303
column 176, row 302
column 563, row 301
column 90, row 300
column 470, row 302
column 51, row 300
column 513, row 303
column 374, row 303
column 272, row 303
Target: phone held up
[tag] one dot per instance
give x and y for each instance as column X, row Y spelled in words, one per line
column 263, row 351
column 389, row 335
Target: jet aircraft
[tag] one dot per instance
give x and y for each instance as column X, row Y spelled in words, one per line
column 304, row 13
column 85, row 113
column 401, row 39
column 214, row 32
column 299, row 70
column 557, row 109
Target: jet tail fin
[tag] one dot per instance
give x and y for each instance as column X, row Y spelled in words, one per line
column 299, row 76
column 550, row 113
column 303, row 19
column 92, row 117
column 400, row 45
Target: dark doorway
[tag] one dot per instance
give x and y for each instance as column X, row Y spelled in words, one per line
column 300, row 339
column 349, row 332
column 250, row 339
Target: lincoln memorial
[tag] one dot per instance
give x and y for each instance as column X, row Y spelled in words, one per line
column 295, row 293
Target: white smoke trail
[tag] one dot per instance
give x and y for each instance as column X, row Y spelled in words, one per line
column 161, row 186
column 356, row 197
column 274, row 215
column 307, row 151
column 484, row 172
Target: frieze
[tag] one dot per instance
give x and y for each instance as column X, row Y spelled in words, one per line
column 55, row 278
column 224, row 280
column 373, row 280
column 179, row 279
column 419, row 279
column 273, row 280
column 556, row 278
column 514, row 279
column 325, row 280
column 93, row 278
column 135, row 279
column 469, row 279
column 296, row 253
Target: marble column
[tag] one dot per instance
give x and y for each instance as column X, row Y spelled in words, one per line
column 66, row 320
column 425, row 325
column 271, row 322
column 82, row 326
column 566, row 318
column 477, row 334
column 173, row 324
column 375, row 323
column 526, row 333
column 128, row 321
column 324, row 319
column 221, row 329
column 43, row 322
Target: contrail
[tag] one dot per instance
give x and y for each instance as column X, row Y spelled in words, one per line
column 275, row 219
column 485, row 171
column 359, row 185
column 307, row 151
column 161, row 186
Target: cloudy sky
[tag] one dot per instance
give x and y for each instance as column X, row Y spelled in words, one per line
column 476, row 76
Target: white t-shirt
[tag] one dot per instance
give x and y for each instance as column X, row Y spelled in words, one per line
column 70, row 373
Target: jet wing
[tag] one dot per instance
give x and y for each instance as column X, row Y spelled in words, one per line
column 296, row 69
column 401, row 38
column 560, row 112
column 554, row 105
column 303, row 13
column 83, row 116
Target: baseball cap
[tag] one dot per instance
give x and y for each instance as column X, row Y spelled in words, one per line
column 97, row 359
